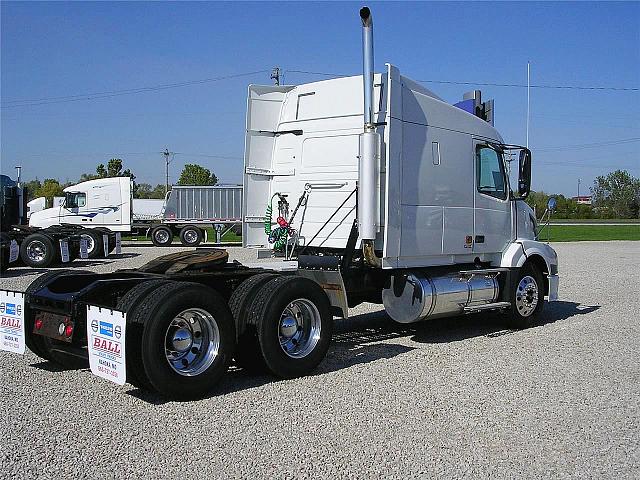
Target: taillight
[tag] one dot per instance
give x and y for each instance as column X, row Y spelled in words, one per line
column 68, row 330
column 38, row 324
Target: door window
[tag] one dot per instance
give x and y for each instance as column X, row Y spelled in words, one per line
column 75, row 200
column 490, row 173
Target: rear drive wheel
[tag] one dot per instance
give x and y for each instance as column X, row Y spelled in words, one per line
column 248, row 354
column 161, row 236
column 95, row 248
column 132, row 303
column 187, row 341
column 39, row 250
column 190, row 236
column 294, row 324
column 528, row 297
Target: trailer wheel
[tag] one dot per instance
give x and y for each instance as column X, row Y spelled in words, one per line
column 38, row 250
column 294, row 325
column 528, row 297
column 38, row 344
column 161, row 236
column 248, row 354
column 190, row 236
column 94, row 243
column 130, row 304
column 188, row 339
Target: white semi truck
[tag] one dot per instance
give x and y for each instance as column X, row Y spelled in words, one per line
column 385, row 193
column 106, row 205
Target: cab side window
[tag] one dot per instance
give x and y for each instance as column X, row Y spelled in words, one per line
column 75, row 200
column 490, row 173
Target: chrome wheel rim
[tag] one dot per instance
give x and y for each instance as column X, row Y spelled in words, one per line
column 162, row 236
column 299, row 328
column 190, row 236
column 191, row 342
column 90, row 243
column 527, row 296
column 36, row 251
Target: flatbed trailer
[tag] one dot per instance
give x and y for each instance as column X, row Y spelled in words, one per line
column 415, row 213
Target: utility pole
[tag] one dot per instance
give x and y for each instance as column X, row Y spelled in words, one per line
column 528, row 98
column 167, row 154
column 578, row 190
column 275, row 75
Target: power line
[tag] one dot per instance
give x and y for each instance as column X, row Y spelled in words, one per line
column 115, row 93
column 491, row 84
column 223, row 157
column 588, row 145
column 518, row 85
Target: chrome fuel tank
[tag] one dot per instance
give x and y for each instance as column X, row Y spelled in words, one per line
column 415, row 296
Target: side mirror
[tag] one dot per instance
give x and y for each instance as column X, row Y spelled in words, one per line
column 551, row 204
column 524, row 173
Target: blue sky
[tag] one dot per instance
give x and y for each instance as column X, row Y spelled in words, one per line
column 64, row 49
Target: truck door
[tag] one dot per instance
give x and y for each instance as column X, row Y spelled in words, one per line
column 73, row 208
column 492, row 206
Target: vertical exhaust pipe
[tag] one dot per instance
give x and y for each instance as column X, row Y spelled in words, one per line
column 367, row 66
column 369, row 165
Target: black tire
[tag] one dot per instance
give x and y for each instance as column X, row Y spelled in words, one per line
column 130, row 304
column 266, row 312
column 96, row 242
column 248, row 354
column 161, row 236
column 5, row 251
column 524, row 294
column 159, row 308
column 41, row 245
column 190, row 236
column 38, row 344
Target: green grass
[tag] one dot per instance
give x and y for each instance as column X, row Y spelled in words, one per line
column 577, row 233
column 595, row 220
column 228, row 237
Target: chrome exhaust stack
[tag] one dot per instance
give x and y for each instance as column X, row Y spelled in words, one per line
column 370, row 142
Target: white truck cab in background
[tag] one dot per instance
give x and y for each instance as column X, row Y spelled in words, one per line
column 103, row 202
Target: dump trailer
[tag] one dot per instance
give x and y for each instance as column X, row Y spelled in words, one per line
column 188, row 210
column 21, row 244
column 372, row 188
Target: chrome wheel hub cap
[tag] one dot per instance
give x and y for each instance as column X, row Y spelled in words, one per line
column 182, row 340
column 162, row 236
column 192, row 341
column 90, row 243
column 527, row 296
column 36, row 251
column 190, row 236
column 299, row 328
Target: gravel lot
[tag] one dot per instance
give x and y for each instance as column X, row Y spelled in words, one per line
column 454, row 398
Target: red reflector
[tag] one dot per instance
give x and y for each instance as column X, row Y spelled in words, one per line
column 38, row 324
column 68, row 330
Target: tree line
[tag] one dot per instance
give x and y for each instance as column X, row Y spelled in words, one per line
column 615, row 195
column 192, row 174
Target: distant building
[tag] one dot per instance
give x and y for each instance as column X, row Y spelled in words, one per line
column 583, row 199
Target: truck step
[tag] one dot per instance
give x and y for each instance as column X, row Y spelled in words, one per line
column 488, row 306
column 484, row 271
